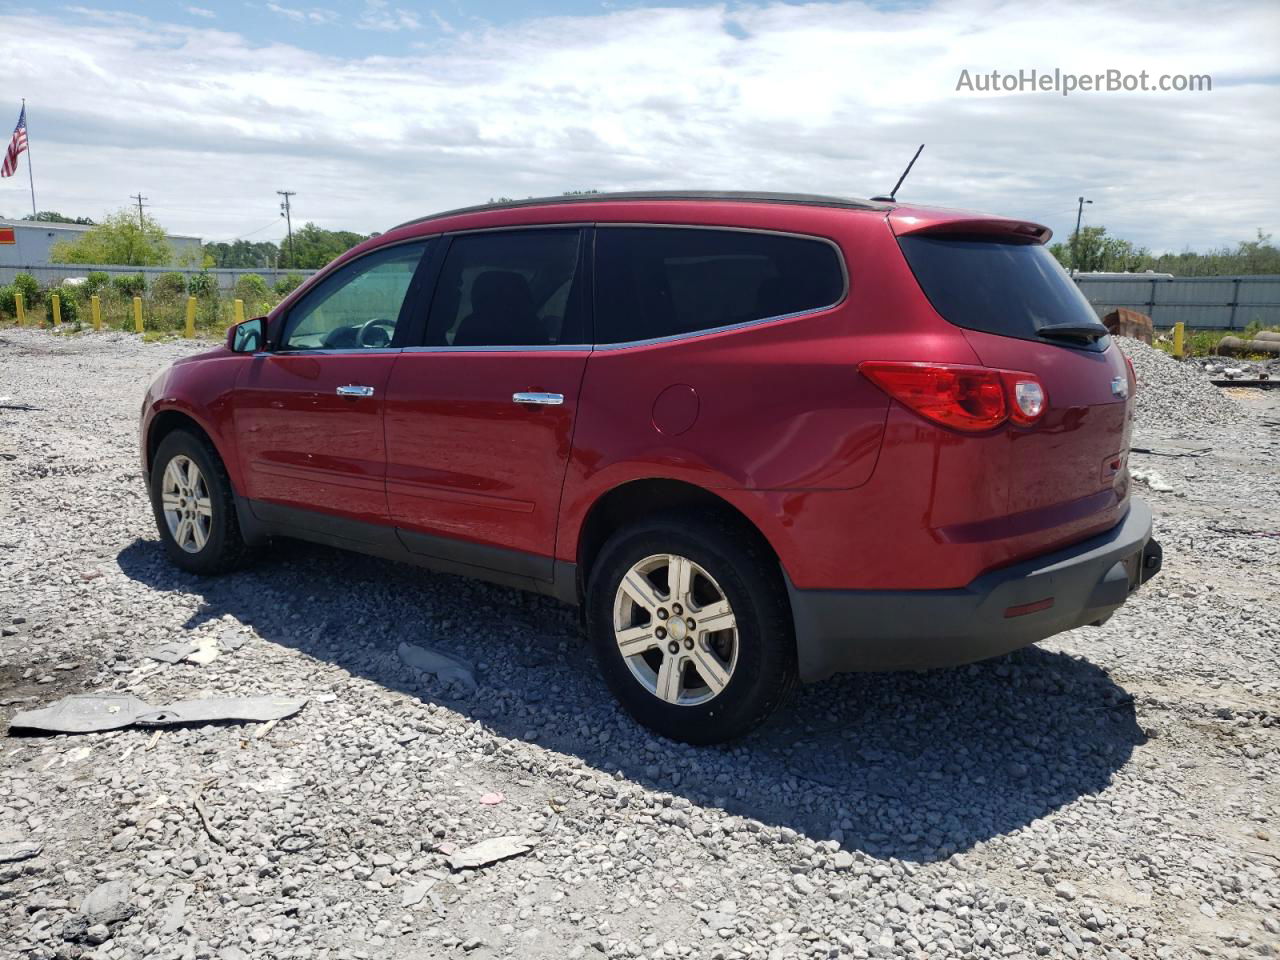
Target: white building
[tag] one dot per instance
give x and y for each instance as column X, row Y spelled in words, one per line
column 26, row 243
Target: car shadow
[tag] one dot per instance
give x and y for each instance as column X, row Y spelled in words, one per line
column 911, row 765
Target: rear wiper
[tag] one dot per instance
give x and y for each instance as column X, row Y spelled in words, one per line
column 1087, row 332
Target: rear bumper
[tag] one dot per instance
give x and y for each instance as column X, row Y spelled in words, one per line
column 839, row 631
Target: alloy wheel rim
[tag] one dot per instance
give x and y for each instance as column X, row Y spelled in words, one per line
column 187, row 506
column 675, row 629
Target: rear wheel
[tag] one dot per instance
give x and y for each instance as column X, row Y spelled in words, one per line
column 690, row 625
column 194, row 507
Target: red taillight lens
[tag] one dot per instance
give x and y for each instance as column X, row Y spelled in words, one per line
column 1133, row 377
column 963, row 398
column 966, row 398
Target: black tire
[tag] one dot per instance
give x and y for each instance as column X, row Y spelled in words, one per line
column 224, row 550
column 749, row 578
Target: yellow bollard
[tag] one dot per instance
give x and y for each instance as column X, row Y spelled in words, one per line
column 1178, row 329
column 22, row 313
column 239, row 312
column 57, row 310
column 95, row 307
column 137, row 314
column 191, row 317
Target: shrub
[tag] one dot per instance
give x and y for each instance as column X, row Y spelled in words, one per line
column 129, row 284
column 252, row 289
column 169, row 286
column 8, row 305
column 203, row 285
column 287, row 284
column 29, row 287
column 96, row 282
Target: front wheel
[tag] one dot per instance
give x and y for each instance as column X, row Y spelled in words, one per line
column 194, row 507
column 691, row 627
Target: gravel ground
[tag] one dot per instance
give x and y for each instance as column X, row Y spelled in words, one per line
column 1109, row 793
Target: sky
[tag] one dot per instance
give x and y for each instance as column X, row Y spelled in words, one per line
column 379, row 111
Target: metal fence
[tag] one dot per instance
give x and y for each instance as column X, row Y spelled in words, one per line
column 226, row 276
column 1202, row 303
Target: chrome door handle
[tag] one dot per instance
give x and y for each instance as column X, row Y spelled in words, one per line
column 540, row 399
column 351, row 390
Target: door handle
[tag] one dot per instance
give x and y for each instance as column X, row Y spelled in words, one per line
column 351, row 390
column 539, row 399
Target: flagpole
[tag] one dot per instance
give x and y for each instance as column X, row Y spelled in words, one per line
column 30, row 176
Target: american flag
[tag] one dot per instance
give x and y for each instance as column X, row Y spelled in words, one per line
column 17, row 144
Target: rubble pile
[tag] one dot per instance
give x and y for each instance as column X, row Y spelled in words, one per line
column 1174, row 394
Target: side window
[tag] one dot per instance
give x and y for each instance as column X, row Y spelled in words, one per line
column 356, row 307
column 663, row 281
column 509, row 290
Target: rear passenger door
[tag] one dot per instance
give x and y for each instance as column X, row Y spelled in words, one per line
column 479, row 416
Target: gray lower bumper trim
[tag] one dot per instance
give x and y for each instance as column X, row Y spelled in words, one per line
column 854, row 630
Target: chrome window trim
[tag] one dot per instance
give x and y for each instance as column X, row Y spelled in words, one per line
column 506, row 348
column 844, row 276
column 330, row 351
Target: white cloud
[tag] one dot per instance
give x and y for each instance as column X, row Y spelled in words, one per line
column 202, row 12
column 380, row 15
column 317, row 15
column 819, row 97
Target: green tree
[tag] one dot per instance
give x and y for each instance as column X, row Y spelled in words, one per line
column 117, row 240
column 243, row 253
column 52, row 216
column 313, row 246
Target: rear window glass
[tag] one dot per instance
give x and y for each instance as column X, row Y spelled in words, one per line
column 1009, row 289
column 656, row 282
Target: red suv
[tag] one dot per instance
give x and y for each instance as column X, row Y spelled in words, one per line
column 759, row 438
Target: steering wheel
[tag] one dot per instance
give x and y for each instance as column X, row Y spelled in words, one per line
column 376, row 332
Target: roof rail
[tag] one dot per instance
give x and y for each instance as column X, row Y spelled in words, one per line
column 736, row 196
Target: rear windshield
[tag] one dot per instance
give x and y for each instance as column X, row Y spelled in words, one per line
column 1009, row 289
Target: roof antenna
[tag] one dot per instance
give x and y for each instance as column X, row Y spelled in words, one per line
column 893, row 194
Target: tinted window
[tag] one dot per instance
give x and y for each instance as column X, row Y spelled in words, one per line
column 1009, row 289
column 660, row 282
column 509, row 289
column 356, row 307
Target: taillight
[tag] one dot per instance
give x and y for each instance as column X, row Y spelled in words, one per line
column 965, row 398
column 1133, row 376
column 1028, row 397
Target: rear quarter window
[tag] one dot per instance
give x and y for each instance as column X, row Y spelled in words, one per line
column 655, row 282
column 1009, row 289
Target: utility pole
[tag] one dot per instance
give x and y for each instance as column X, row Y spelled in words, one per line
column 139, row 198
column 142, row 231
column 287, row 212
column 1075, row 237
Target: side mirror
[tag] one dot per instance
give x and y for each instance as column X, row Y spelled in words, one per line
column 248, row 337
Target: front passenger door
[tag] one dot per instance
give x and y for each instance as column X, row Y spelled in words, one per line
column 309, row 412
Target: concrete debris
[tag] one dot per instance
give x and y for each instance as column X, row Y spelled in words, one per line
column 95, row 713
column 108, row 903
column 202, row 650
column 445, row 667
column 18, row 851
column 415, row 893
column 489, row 851
column 171, row 652
column 492, row 799
column 1152, row 479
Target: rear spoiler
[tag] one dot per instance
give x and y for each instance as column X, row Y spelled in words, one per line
column 905, row 222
